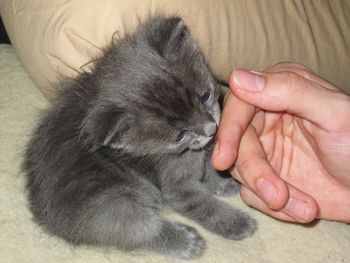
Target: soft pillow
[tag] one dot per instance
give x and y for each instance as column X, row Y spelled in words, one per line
column 58, row 37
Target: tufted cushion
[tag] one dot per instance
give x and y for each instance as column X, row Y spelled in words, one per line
column 55, row 38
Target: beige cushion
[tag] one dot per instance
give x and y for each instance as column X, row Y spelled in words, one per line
column 56, row 38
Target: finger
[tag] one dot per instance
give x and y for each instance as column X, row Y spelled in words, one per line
column 251, row 199
column 234, row 120
column 302, row 71
column 287, row 91
column 253, row 171
column 299, row 207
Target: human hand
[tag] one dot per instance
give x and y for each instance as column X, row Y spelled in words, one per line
column 290, row 132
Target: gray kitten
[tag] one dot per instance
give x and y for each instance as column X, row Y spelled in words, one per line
column 131, row 135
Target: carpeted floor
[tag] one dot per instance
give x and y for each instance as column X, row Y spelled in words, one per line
column 21, row 240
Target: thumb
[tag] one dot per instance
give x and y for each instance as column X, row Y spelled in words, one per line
column 290, row 92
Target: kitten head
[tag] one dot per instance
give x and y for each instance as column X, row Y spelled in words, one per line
column 156, row 93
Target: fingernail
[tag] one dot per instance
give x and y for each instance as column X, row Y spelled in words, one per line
column 297, row 208
column 267, row 190
column 249, row 80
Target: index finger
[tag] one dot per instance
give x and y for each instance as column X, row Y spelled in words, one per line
column 235, row 118
column 290, row 92
column 302, row 71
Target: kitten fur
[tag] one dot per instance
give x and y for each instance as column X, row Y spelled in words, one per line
column 129, row 137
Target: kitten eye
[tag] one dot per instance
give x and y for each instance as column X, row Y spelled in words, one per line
column 206, row 96
column 181, row 136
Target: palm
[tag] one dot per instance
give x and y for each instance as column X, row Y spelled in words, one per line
column 298, row 157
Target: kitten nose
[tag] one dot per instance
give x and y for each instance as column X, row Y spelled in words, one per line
column 209, row 128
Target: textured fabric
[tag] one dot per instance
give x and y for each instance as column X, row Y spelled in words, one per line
column 21, row 240
column 56, row 38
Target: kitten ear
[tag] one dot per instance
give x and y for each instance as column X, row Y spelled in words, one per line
column 177, row 35
column 167, row 35
column 104, row 125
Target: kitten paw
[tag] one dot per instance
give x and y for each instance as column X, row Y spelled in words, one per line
column 191, row 245
column 230, row 188
column 221, row 183
column 240, row 227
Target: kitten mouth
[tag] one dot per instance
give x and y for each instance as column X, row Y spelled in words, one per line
column 200, row 143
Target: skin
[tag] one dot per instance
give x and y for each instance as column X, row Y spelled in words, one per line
column 285, row 135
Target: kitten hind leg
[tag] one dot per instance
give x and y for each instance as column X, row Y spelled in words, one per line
column 129, row 219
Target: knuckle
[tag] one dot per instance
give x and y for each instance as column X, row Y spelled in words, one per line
column 294, row 82
column 304, row 72
column 340, row 107
column 246, row 195
column 286, row 66
column 298, row 69
column 296, row 88
column 278, row 67
column 246, row 166
column 237, row 128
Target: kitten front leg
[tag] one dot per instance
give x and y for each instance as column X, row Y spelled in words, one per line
column 178, row 240
column 219, row 183
column 215, row 215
